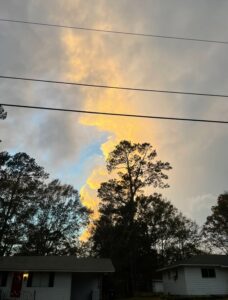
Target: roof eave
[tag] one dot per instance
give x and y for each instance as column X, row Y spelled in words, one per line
column 57, row 270
column 191, row 265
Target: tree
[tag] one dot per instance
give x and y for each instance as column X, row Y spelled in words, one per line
column 136, row 169
column 20, row 182
column 3, row 114
column 215, row 229
column 139, row 232
column 117, row 233
column 172, row 235
column 37, row 217
column 56, row 225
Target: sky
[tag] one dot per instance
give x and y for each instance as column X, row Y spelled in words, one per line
column 73, row 147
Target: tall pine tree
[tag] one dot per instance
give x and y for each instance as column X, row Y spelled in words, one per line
column 139, row 232
column 118, row 234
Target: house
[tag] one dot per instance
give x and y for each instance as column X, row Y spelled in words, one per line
column 52, row 277
column 201, row 275
column 157, row 286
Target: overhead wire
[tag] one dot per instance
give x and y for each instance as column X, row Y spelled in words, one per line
column 90, row 85
column 115, row 87
column 149, row 35
column 114, row 114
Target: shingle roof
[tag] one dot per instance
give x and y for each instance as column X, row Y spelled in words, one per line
column 55, row 264
column 201, row 260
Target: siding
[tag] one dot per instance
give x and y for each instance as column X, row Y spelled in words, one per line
column 5, row 291
column 157, row 286
column 78, row 286
column 196, row 285
column 172, row 286
column 60, row 291
column 85, row 286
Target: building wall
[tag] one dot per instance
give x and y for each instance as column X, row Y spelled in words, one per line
column 60, row 291
column 85, row 286
column 196, row 285
column 157, row 286
column 5, row 291
column 174, row 283
column 190, row 282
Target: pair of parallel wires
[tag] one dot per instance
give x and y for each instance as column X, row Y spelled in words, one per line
column 115, row 87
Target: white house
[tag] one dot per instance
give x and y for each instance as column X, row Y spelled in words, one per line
column 52, row 277
column 202, row 275
column 157, row 286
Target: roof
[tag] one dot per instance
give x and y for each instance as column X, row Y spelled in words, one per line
column 56, row 264
column 201, row 261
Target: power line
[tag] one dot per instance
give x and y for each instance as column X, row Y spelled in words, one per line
column 116, row 32
column 114, row 87
column 114, row 114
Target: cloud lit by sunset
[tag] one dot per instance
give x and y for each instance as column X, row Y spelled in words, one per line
column 109, row 72
column 73, row 147
column 113, row 159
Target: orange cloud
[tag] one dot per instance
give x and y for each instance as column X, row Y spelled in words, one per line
column 89, row 62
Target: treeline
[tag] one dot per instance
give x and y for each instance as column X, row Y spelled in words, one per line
column 138, row 229
column 37, row 216
column 141, row 231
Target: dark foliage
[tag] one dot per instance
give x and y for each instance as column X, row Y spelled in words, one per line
column 36, row 217
column 215, row 229
column 21, row 180
column 3, row 114
column 55, row 226
column 140, row 233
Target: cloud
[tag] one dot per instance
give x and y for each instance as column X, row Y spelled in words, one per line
column 197, row 152
column 182, row 144
column 54, row 139
column 199, row 208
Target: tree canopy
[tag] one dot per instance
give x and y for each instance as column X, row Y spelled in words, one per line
column 3, row 114
column 136, row 168
column 55, row 227
column 215, row 229
column 21, row 180
column 37, row 217
column 139, row 232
